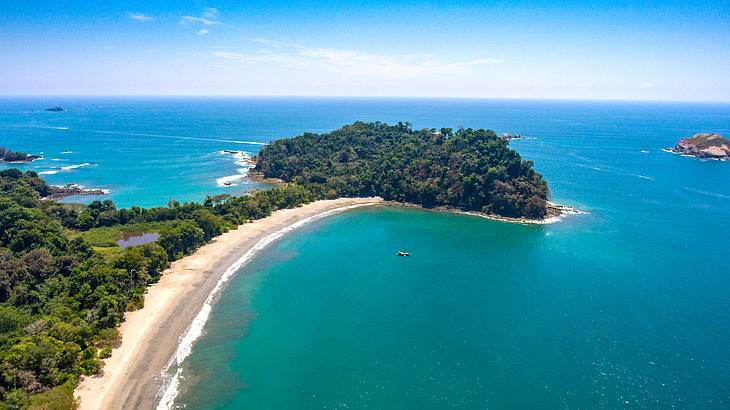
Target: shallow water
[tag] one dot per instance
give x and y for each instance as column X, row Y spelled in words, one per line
column 625, row 307
column 482, row 314
column 136, row 238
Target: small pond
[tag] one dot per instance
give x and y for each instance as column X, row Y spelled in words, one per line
column 136, row 238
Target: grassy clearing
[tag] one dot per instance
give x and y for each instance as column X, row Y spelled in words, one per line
column 104, row 240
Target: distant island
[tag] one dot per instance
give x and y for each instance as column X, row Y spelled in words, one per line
column 56, row 109
column 7, row 155
column 466, row 170
column 704, row 146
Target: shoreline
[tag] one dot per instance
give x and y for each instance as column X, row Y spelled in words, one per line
column 63, row 191
column 22, row 161
column 684, row 154
column 144, row 371
column 161, row 334
column 556, row 213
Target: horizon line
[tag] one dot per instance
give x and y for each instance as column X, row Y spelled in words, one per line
column 384, row 97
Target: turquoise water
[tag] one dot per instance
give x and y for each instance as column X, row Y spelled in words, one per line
column 625, row 307
column 482, row 314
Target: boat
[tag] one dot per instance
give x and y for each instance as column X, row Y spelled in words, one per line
column 403, row 253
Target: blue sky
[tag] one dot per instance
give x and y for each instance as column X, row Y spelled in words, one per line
column 533, row 49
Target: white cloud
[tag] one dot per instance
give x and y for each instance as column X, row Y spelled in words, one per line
column 198, row 20
column 387, row 66
column 207, row 19
column 140, row 17
column 647, row 85
column 353, row 62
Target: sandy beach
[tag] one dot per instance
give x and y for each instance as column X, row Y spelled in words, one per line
column 150, row 336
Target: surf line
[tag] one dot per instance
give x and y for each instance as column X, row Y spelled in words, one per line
column 169, row 390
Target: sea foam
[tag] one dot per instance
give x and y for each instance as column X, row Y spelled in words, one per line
column 169, row 390
column 241, row 158
column 70, row 167
column 231, row 179
column 65, row 168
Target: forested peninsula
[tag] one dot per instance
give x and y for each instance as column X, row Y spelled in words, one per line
column 7, row 155
column 65, row 284
column 468, row 170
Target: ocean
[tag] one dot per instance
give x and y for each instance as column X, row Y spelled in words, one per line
column 627, row 306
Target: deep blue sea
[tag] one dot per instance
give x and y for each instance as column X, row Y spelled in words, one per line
column 626, row 307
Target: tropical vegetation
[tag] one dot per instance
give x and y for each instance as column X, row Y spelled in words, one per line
column 64, row 285
column 7, row 155
column 472, row 170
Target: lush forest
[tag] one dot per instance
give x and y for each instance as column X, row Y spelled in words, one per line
column 65, row 285
column 468, row 169
column 63, row 289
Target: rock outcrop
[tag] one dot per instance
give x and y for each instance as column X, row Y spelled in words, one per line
column 704, row 146
column 7, row 155
column 58, row 192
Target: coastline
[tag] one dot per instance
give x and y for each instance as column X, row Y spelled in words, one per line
column 22, row 161
column 63, row 191
column 684, row 154
column 556, row 212
column 144, row 369
column 152, row 336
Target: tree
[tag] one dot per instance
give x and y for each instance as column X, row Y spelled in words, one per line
column 468, row 169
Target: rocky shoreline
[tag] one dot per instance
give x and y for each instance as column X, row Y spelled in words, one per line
column 30, row 158
column 555, row 213
column 703, row 146
column 62, row 191
column 261, row 179
column 8, row 156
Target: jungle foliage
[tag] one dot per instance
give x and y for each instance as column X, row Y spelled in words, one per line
column 472, row 170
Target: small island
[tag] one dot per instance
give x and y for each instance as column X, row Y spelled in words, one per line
column 7, row 155
column 56, row 109
column 703, row 146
